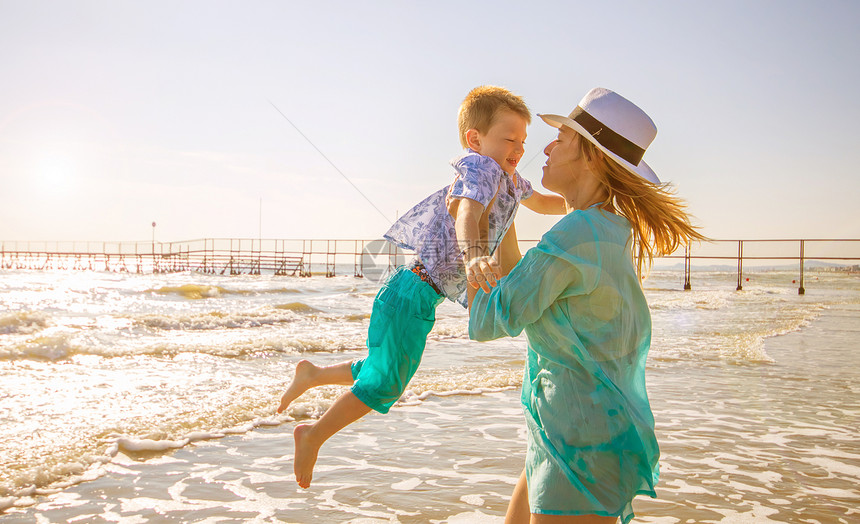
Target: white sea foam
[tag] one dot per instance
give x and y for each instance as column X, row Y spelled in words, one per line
column 473, row 500
column 150, row 445
column 836, row 468
column 23, row 322
column 407, row 485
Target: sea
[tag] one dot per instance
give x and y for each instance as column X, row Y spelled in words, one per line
column 140, row 398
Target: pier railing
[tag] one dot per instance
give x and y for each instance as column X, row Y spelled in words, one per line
column 231, row 256
column 305, row 257
column 825, row 254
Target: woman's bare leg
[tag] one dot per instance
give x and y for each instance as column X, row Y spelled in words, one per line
column 518, row 507
column 520, row 513
column 309, row 376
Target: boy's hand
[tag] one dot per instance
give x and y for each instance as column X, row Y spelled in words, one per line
column 483, row 272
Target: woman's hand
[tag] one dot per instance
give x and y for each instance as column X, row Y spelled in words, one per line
column 483, row 272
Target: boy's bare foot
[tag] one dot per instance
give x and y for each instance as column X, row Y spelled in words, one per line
column 303, row 380
column 306, row 455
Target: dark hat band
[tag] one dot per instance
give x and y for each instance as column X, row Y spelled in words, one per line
column 607, row 137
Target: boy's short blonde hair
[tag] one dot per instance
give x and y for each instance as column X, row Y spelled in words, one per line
column 481, row 106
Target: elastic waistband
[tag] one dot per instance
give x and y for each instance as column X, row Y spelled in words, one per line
column 418, row 268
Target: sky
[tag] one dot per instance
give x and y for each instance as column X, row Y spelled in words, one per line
column 330, row 119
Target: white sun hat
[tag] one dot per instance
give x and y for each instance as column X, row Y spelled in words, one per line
column 615, row 125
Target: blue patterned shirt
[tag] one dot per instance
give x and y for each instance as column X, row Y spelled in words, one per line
column 428, row 228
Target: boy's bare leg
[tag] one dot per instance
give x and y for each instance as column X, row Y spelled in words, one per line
column 310, row 437
column 309, row 375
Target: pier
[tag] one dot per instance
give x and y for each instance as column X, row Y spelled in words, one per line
column 224, row 256
column 307, row 257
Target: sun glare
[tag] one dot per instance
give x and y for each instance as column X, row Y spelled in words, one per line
column 55, row 171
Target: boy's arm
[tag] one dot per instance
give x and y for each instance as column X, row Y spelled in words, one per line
column 546, row 204
column 509, row 251
column 481, row 270
column 507, row 255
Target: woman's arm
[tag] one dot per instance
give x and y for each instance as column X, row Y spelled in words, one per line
column 546, row 204
column 546, row 273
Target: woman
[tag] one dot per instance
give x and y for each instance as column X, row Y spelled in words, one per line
column 577, row 294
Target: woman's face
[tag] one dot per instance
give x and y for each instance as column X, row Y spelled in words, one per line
column 569, row 173
column 564, row 164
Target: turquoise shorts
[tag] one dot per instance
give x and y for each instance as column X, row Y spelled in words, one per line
column 404, row 312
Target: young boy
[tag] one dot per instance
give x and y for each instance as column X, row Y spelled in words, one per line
column 453, row 232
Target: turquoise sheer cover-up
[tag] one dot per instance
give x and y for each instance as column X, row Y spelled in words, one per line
column 591, row 446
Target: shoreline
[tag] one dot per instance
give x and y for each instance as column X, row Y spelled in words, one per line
column 351, row 468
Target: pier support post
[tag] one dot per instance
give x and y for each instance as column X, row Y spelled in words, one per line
column 801, row 290
column 359, row 258
column 330, row 258
column 687, row 286
column 740, row 265
column 307, row 251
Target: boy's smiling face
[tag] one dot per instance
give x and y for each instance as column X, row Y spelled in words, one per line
column 503, row 141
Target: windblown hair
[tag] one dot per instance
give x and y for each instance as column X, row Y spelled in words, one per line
column 481, row 106
column 658, row 217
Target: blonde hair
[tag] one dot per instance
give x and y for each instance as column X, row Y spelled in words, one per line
column 481, row 106
column 657, row 216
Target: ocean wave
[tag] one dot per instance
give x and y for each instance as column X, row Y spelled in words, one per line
column 686, row 300
column 308, row 343
column 22, row 322
column 737, row 338
column 190, row 291
column 297, row 307
column 450, row 328
column 265, row 316
column 201, row 291
column 64, row 346
column 220, row 320
column 49, row 347
column 443, row 384
column 793, row 321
